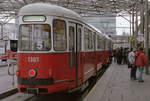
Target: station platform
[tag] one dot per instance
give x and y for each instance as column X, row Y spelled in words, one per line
column 7, row 83
column 115, row 85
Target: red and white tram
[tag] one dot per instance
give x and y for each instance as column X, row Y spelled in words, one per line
column 58, row 50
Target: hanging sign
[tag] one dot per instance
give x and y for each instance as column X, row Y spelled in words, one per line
column 140, row 38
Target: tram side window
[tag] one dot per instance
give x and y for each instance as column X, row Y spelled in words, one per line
column 100, row 44
column 88, row 39
column 94, row 41
column 104, row 43
column 107, row 44
column 79, row 39
column 71, row 38
column 60, row 38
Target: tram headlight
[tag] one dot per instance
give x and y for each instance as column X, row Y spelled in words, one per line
column 32, row 72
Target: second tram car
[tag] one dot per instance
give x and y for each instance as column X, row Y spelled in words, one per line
column 58, row 50
column 8, row 49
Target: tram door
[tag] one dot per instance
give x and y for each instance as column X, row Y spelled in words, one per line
column 78, row 54
column 75, row 53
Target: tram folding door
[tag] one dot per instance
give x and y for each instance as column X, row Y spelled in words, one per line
column 75, row 53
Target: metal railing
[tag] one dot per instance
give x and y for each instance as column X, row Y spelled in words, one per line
column 11, row 68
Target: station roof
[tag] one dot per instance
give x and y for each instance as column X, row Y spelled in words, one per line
column 9, row 8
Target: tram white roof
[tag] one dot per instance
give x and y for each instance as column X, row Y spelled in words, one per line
column 53, row 10
column 48, row 10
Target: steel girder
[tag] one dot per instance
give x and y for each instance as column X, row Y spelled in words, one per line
column 9, row 8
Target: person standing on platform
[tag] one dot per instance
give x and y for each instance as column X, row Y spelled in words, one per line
column 131, row 58
column 119, row 56
column 140, row 61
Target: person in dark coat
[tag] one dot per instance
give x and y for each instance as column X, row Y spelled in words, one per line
column 119, row 56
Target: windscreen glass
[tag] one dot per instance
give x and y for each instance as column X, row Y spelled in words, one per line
column 34, row 37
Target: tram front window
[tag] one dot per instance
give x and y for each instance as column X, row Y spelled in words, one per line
column 13, row 45
column 34, row 37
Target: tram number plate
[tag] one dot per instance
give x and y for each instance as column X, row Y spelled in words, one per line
column 33, row 90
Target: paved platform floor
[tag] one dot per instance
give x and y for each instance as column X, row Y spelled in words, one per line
column 115, row 85
column 7, row 80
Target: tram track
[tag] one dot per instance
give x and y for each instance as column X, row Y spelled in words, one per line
column 61, row 96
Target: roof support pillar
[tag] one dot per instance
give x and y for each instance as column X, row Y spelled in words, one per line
column 142, row 18
column 146, row 34
column 130, row 30
column 136, row 24
column 2, row 30
column 133, row 34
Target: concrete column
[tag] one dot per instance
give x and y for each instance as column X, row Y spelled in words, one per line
column 142, row 18
column 16, row 25
column 146, row 34
column 133, row 34
column 130, row 29
column 2, row 31
column 136, row 31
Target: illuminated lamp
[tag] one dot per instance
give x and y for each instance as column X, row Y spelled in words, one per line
column 32, row 73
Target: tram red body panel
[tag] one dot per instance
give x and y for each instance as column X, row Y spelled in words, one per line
column 98, row 63
column 105, row 57
column 89, row 65
column 49, row 65
column 56, row 65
